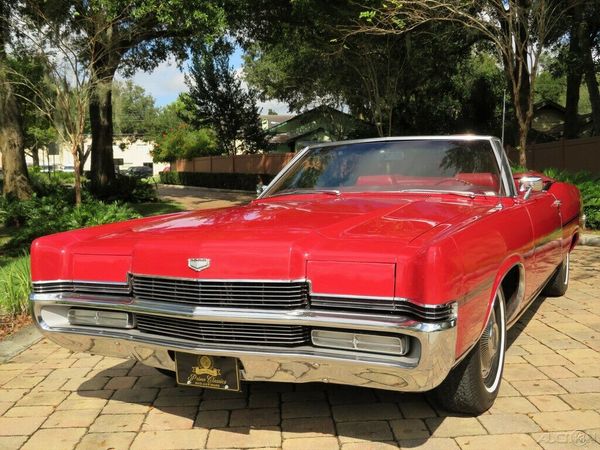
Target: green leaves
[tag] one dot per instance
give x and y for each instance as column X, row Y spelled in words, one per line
column 589, row 186
column 367, row 16
column 52, row 209
column 184, row 142
column 134, row 112
column 218, row 99
column 15, row 286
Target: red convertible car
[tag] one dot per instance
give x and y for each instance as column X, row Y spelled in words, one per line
column 392, row 263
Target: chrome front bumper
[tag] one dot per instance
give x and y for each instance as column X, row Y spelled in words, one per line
column 424, row 368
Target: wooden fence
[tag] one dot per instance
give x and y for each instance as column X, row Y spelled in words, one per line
column 266, row 163
column 572, row 155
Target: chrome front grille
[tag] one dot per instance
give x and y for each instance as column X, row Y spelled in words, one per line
column 223, row 332
column 233, row 294
column 282, row 295
column 393, row 306
column 82, row 287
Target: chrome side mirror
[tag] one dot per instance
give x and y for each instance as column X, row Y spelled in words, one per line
column 260, row 188
column 529, row 185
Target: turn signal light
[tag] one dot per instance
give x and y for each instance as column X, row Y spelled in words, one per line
column 100, row 318
column 372, row 343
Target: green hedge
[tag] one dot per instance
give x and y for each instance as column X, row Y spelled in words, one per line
column 238, row 181
column 52, row 209
column 589, row 186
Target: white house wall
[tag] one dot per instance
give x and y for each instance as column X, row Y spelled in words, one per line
column 134, row 153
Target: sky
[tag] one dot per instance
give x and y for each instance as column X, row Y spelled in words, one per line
column 166, row 82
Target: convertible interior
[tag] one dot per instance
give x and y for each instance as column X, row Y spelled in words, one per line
column 480, row 181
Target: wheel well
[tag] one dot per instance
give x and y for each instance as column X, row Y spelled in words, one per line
column 512, row 288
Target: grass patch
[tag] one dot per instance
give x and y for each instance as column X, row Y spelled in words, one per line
column 155, row 208
column 5, row 235
column 15, row 286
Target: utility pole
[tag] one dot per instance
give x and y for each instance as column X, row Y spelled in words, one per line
column 503, row 114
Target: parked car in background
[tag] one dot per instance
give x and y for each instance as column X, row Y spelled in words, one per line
column 392, row 263
column 139, row 171
column 68, row 169
column 44, row 168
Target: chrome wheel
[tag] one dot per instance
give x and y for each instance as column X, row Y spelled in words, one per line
column 472, row 386
column 491, row 349
column 489, row 345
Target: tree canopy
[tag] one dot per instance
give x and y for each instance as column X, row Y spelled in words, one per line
column 397, row 82
column 134, row 112
column 174, row 138
column 124, row 35
column 218, row 99
column 39, row 131
column 420, row 67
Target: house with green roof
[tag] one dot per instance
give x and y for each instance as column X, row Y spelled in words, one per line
column 321, row 124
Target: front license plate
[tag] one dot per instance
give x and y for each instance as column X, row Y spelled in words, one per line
column 212, row 372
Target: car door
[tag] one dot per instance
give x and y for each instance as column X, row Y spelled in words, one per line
column 544, row 212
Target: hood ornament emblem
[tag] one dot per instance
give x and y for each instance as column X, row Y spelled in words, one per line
column 198, row 264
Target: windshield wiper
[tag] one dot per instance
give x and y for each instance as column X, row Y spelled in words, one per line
column 335, row 192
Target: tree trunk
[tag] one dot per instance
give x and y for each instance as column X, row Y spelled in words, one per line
column 592, row 86
column 571, row 127
column 16, row 178
column 35, row 156
column 101, row 124
column 574, row 76
column 77, row 167
column 83, row 156
column 523, row 132
column 521, row 91
column 589, row 74
column 522, row 83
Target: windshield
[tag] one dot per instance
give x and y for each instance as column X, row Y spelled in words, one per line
column 453, row 165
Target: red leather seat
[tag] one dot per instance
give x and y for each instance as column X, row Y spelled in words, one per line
column 482, row 179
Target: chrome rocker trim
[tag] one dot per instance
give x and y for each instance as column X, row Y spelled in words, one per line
column 421, row 370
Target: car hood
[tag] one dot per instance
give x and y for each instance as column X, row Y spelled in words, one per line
column 274, row 238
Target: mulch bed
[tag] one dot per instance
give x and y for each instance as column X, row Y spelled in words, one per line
column 11, row 324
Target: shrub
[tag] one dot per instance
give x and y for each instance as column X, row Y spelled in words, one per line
column 52, row 209
column 39, row 178
column 127, row 189
column 43, row 185
column 184, row 142
column 98, row 213
column 54, row 212
column 240, row 181
column 15, row 286
column 589, row 186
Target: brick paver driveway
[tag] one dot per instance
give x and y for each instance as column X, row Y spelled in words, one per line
column 191, row 197
column 550, row 397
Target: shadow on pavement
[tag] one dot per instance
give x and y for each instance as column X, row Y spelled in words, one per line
column 298, row 410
